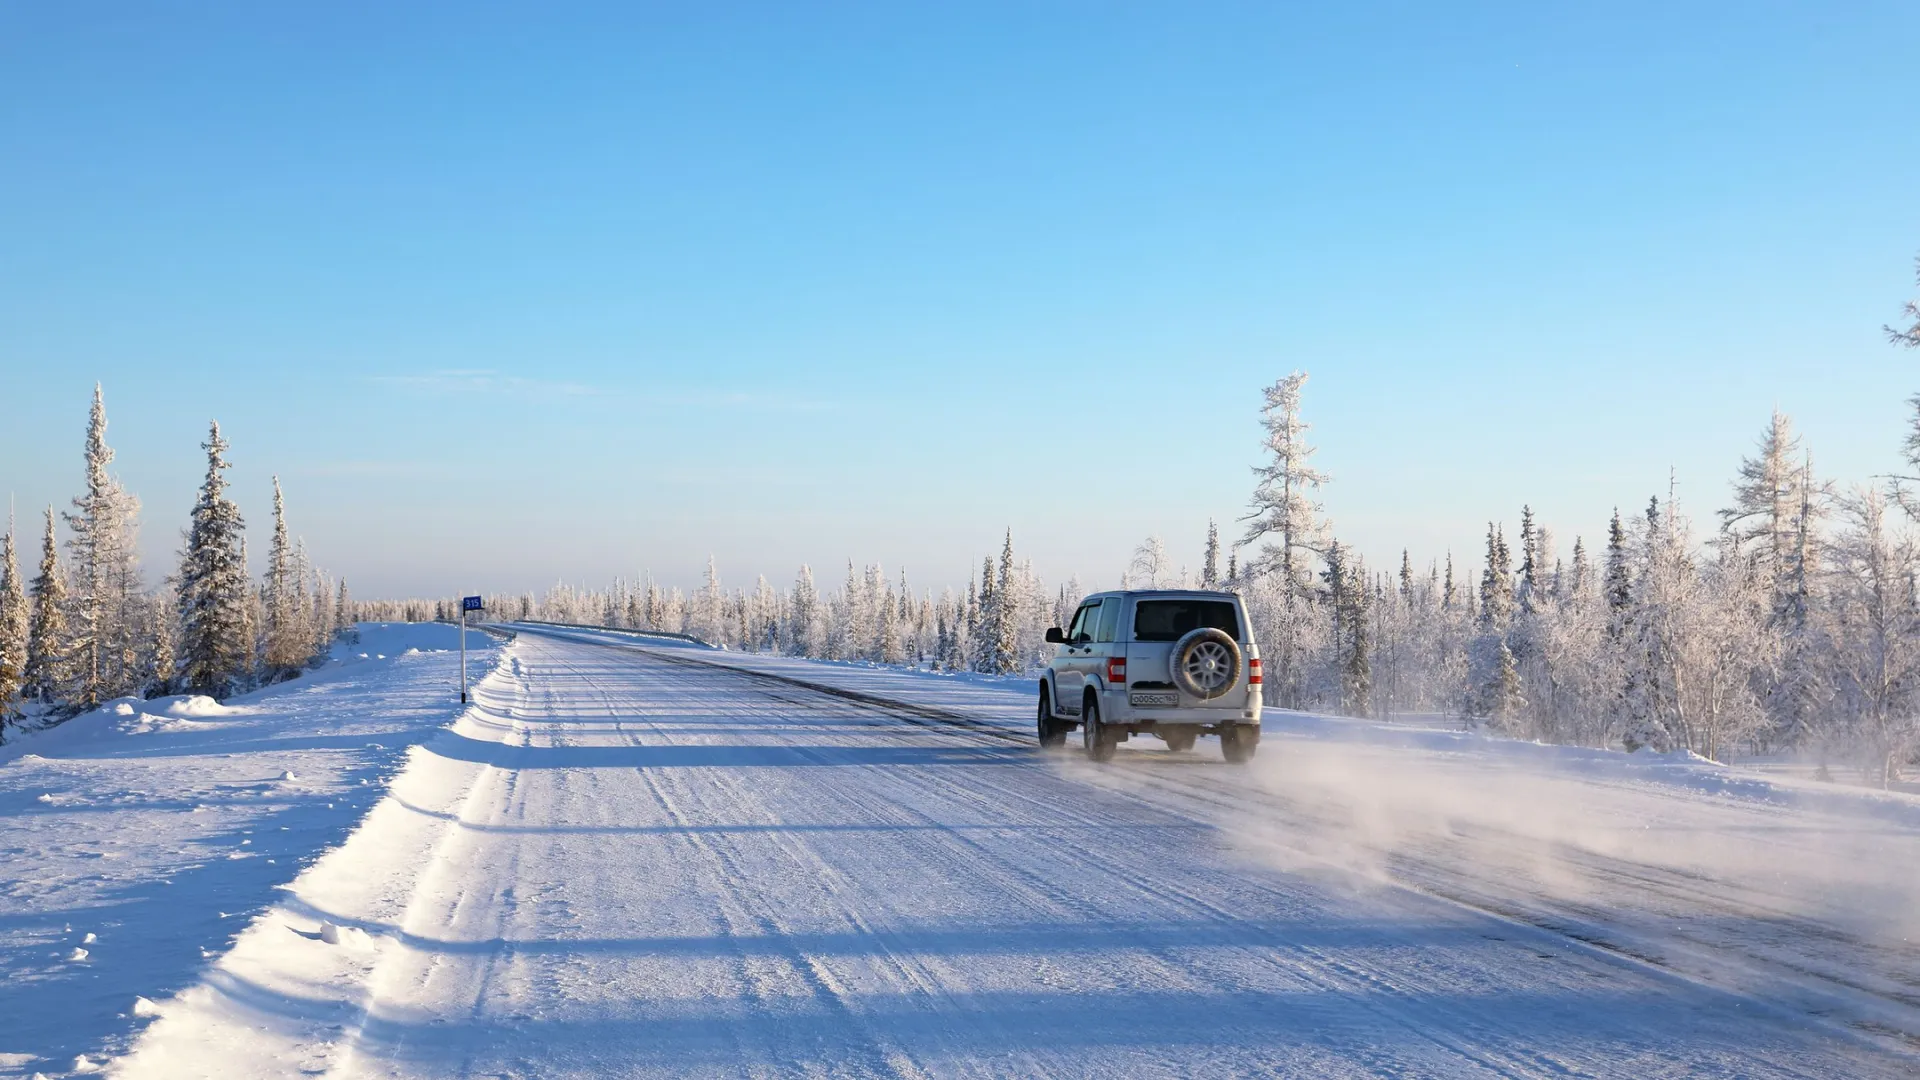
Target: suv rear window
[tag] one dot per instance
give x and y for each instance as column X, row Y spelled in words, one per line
column 1169, row 620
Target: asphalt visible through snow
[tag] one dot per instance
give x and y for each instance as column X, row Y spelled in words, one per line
column 637, row 863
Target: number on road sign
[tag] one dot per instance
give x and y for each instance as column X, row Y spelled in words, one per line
column 469, row 603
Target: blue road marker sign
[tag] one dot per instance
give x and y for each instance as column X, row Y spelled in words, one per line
column 469, row 603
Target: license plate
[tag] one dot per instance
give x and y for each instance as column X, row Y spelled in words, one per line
column 1160, row 698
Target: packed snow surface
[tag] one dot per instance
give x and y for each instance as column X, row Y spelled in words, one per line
column 639, row 859
column 137, row 840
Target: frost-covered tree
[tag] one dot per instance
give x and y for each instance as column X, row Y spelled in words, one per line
column 1531, row 583
column 1876, row 654
column 216, row 635
column 891, row 650
column 804, row 638
column 13, row 629
column 981, row 618
column 1151, row 568
column 1727, row 644
column 1004, row 621
column 286, row 647
column 1619, row 580
column 1284, row 519
column 163, row 625
column 104, row 647
column 343, row 620
column 706, row 611
column 1210, row 563
column 1775, row 516
column 48, row 675
column 1493, row 671
column 1347, row 597
column 1284, row 516
column 1908, row 336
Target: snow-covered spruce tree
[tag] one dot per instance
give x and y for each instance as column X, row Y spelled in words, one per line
column 1284, row 519
column 1348, row 600
column 633, row 611
column 1528, row 586
column 1493, row 673
column 103, row 651
column 706, row 611
column 343, row 620
column 1210, row 563
column 285, row 650
column 302, row 605
column 1006, row 658
column 1619, row 580
column 762, row 613
column 890, row 646
column 164, row 661
column 1533, row 604
column 319, row 624
column 804, row 638
column 13, row 631
column 48, row 675
column 216, row 639
column 874, row 610
column 984, row 612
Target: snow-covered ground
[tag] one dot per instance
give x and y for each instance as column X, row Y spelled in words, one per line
column 634, row 857
column 137, row 841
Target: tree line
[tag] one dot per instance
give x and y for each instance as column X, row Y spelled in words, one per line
column 997, row 626
column 1790, row 621
column 85, row 628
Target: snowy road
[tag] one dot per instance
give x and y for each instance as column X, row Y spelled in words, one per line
column 633, row 862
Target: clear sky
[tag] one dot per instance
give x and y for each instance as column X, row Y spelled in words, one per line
column 511, row 293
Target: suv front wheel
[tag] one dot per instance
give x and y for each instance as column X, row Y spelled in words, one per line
column 1052, row 732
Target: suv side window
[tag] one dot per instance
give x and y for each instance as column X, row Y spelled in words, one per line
column 1079, row 628
column 1109, row 619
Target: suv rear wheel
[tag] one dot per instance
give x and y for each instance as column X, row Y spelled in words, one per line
column 1237, row 743
column 1100, row 742
column 1051, row 731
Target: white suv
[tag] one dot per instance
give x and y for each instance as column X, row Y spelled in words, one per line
column 1173, row 663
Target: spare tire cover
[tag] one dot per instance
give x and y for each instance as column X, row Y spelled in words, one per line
column 1205, row 663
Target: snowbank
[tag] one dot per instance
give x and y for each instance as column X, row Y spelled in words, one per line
column 140, row 837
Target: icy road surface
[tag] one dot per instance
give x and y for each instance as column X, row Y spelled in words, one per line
column 632, row 862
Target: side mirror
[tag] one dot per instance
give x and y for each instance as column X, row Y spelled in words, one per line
column 1055, row 636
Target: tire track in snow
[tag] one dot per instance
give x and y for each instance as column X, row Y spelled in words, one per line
column 1321, row 970
column 1432, row 869
column 1421, row 883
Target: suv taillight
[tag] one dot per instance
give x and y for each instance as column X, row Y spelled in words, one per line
column 1116, row 671
column 1253, row 672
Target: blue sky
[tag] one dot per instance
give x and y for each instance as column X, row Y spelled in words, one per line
column 511, row 293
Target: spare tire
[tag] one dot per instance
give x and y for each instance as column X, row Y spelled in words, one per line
column 1205, row 663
